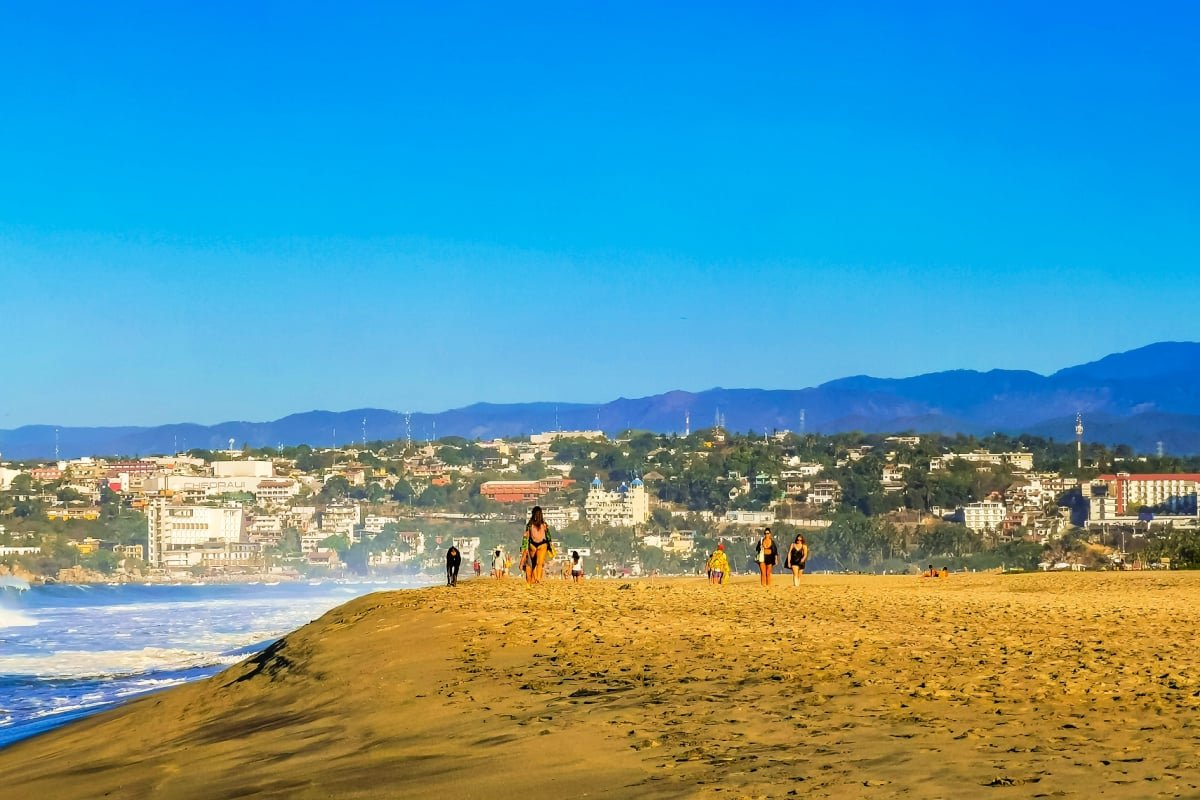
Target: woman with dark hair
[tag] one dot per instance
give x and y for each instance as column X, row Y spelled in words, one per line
column 797, row 557
column 768, row 554
column 537, row 548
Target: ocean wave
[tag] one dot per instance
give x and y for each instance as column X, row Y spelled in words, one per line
column 15, row 619
column 67, row 708
column 107, row 664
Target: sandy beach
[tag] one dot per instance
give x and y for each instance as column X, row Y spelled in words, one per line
column 1059, row 685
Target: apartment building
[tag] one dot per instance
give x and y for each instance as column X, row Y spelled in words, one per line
column 624, row 507
column 185, row 535
column 986, row 515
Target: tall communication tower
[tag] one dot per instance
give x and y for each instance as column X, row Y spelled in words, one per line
column 1159, row 448
column 408, row 428
column 1079, row 441
column 802, row 420
column 56, row 444
column 364, row 431
column 687, row 423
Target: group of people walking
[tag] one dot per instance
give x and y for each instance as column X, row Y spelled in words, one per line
column 537, row 548
column 767, row 553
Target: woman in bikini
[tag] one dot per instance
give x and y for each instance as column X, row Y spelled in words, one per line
column 768, row 554
column 537, row 546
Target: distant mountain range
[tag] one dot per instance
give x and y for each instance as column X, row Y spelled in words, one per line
column 1139, row 398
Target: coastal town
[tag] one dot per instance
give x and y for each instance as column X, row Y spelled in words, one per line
column 631, row 504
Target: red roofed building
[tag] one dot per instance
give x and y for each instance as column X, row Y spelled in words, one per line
column 1175, row 492
column 522, row 491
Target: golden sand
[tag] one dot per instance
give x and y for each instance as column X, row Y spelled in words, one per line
column 1061, row 685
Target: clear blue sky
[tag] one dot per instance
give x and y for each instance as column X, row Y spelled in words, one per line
column 236, row 211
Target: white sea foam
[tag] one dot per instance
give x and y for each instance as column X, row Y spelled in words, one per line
column 15, row 619
column 66, row 709
column 82, row 664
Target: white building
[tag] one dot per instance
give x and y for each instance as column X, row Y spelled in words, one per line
column 243, row 469
column 6, row 477
column 1019, row 461
column 983, row 516
column 547, row 438
column 198, row 487
column 559, row 517
column 625, row 507
column 341, row 520
column 680, row 543
column 743, row 517
column 184, row 535
column 823, row 492
column 267, row 528
column 373, row 524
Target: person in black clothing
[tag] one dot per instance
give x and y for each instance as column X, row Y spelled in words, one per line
column 453, row 559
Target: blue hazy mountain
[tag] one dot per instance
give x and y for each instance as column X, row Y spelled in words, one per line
column 1139, row 398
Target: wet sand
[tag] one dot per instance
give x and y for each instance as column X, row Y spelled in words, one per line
column 1062, row 685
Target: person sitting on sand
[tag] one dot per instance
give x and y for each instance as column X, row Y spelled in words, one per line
column 537, row 546
column 576, row 566
column 453, row 560
column 930, row 573
column 945, row 573
column 767, row 555
column 797, row 558
column 718, row 566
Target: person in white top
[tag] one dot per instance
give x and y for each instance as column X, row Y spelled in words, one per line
column 499, row 565
column 576, row 566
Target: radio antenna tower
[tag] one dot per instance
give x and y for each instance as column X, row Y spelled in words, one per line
column 687, row 423
column 1079, row 441
column 56, row 444
column 408, row 427
column 802, row 420
column 364, row 431
column 1159, row 448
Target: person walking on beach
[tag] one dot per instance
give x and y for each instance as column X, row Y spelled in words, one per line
column 797, row 557
column 767, row 555
column 453, row 560
column 718, row 566
column 478, row 567
column 576, row 566
column 499, row 564
column 537, row 546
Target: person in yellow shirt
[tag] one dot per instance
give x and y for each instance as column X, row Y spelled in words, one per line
column 718, row 566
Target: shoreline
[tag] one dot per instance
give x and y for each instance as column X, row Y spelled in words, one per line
column 850, row 686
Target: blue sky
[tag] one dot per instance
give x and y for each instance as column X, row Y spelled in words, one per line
column 237, row 211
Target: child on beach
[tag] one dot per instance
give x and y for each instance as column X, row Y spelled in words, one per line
column 797, row 557
column 718, row 566
column 576, row 566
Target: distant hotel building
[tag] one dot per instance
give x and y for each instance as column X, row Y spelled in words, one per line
column 1020, row 461
column 547, row 438
column 522, row 491
column 984, row 516
column 1174, row 493
column 182, row 536
column 625, row 507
